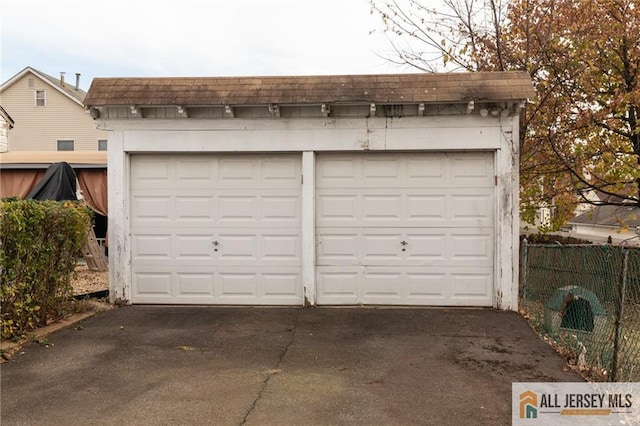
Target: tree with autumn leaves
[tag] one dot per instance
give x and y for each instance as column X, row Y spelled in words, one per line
column 580, row 136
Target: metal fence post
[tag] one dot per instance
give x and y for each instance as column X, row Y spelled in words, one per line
column 619, row 314
column 524, row 258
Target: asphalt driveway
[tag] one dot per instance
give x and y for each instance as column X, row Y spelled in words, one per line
column 261, row 366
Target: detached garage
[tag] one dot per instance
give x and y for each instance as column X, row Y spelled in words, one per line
column 334, row 190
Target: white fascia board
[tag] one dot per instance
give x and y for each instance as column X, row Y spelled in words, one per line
column 296, row 135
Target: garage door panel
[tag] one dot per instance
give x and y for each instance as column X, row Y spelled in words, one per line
column 219, row 171
column 414, row 228
column 386, row 208
column 228, row 211
column 278, row 285
column 198, row 285
column 379, row 247
column 239, row 284
column 338, row 247
column 194, row 169
column 435, row 286
column 189, row 208
column 216, row 229
column 472, row 248
column 260, row 286
column 381, row 168
column 196, row 247
column 427, row 171
column 404, row 246
column 472, row 169
column 339, row 207
column 195, row 284
column 151, row 208
column 338, row 285
column 409, row 207
column 151, row 172
column 476, row 207
column 427, row 208
column 281, row 248
column 433, row 170
column 235, row 208
column 427, row 247
column 337, row 171
column 280, row 209
column 158, row 247
column 271, row 207
column 152, row 284
column 382, row 286
column 281, row 171
column 472, row 285
column 428, row 286
column 236, row 248
column 192, row 246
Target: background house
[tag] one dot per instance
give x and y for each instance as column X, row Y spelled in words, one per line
column 603, row 224
column 49, row 114
column 49, row 125
column 6, row 124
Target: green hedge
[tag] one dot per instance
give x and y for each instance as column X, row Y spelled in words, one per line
column 39, row 245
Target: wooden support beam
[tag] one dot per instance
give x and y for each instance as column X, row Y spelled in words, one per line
column 182, row 111
column 274, row 110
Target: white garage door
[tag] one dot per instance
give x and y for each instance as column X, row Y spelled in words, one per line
column 406, row 229
column 216, row 229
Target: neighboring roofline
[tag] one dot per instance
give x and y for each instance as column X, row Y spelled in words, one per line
column 42, row 159
column 44, row 77
column 7, row 117
column 609, row 216
column 591, row 225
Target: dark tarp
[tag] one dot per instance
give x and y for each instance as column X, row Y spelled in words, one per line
column 58, row 183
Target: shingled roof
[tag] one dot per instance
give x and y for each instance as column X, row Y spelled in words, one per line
column 614, row 216
column 296, row 90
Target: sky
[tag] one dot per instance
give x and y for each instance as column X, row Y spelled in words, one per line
column 164, row 38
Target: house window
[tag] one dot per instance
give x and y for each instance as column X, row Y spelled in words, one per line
column 41, row 98
column 65, row 145
column 102, row 145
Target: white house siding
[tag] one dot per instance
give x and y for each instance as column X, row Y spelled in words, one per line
column 4, row 134
column 493, row 139
column 600, row 234
column 39, row 128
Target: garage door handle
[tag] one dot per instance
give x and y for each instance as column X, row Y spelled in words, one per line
column 215, row 243
column 404, row 243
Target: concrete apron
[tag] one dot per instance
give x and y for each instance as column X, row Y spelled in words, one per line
column 257, row 366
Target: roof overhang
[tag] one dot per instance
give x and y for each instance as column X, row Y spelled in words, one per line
column 468, row 89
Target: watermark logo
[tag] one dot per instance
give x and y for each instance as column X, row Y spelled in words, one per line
column 575, row 403
column 528, row 405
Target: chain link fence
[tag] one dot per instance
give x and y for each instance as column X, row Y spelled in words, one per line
column 585, row 300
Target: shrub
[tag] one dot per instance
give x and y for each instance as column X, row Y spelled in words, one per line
column 39, row 245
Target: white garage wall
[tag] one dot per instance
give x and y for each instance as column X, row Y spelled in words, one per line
column 441, row 133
